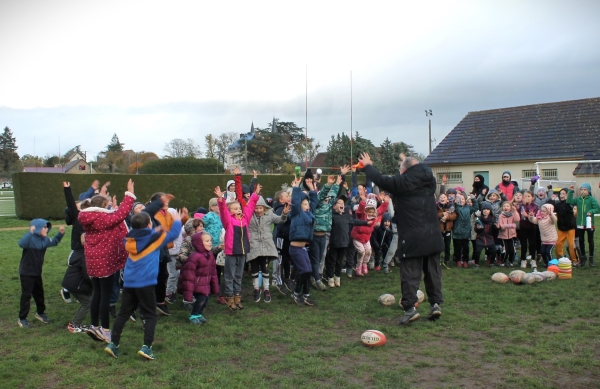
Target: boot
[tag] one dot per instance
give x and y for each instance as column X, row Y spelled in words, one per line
column 591, row 261
column 523, row 264
column 583, row 259
column 331, row 282
column 336, row 281
column 238, row 301
column 231, row 303
column 359, row 270
column 365, row 269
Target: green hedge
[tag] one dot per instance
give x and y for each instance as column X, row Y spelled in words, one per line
column 41, row 194
column 182, row 166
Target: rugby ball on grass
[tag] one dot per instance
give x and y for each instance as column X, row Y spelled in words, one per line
column 373, row 338
column 387, row 299
column 420, row 296
column 516, row 276
column 500, row 278
column 539, row 277
column 528, row 278
column 550, row 276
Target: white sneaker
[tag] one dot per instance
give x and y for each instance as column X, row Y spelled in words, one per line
column 533, row 264
column 336, row 281
column 330, row 282
column 523, row 264
column 528, row 257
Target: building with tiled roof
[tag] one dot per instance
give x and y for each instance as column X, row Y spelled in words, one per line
column 557, row 136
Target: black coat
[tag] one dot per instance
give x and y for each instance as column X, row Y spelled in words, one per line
column 381, row 238
column 416, row 212
column 566, row 218
column 71, row 214
column 76, row 278
column 281, row 230
column 340, row 229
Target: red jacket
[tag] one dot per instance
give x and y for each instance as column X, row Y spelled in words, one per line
column 199, row 273
column 363, row 233
column 105, row 232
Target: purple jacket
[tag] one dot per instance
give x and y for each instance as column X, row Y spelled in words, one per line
column 199, row 273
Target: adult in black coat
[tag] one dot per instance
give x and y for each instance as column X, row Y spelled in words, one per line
column 419, row 239
column 479, row 186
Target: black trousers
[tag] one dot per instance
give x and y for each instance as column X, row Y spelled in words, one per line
column 527, row 238
column 580, row 232
column 410, row 279
column 31, row 286
column 447, row 236
column 100, row 306
column 130, row 299
column 461, row 250
column 199, row 304
column 334, row 260
column 161, row 286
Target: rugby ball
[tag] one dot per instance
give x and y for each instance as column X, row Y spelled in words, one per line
column 373, row 338
column 420, row 296
column 387, row 299
column 516, row 276
column 539, row 277
column 550, row 276
column 528, row 278
column 500, row 278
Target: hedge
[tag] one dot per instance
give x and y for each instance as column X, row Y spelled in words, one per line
column 41, row 195
column 182, row 166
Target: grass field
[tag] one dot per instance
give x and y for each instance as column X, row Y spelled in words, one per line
column 7, row 203
column 544, row 335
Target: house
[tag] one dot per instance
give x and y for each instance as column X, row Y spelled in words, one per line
column 236, row 152
column 554, row 140
column 75, row 156
column 79, row 166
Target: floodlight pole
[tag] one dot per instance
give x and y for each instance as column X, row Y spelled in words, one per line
column 429, row 114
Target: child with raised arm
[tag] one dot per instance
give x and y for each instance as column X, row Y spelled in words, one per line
column 361, row 235
column 546, row 220
column 301, row 233
column 34, row 244
column 237, row 243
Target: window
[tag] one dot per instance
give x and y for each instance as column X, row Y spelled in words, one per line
column 452, row 176
column 81, row 167
column 529, row 173
column 550, row 174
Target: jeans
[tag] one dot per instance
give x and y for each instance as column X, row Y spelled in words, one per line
column 234, row 270
column 391, row 251
column 173, row 275
column 315, row 252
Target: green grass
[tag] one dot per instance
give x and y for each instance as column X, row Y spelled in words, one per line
column 544, row 335
column 7, row 203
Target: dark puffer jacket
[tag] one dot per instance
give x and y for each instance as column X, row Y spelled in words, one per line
column 76, row 278
column 199, row 273
column 416, row 212
column 565, row 215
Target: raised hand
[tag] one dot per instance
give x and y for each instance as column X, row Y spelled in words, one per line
column 129, row 185
column 287, row 208
column 309, row 183
column 339, row 179
column 365, row 158
column 344, row 169
column 236, row 170
column 445, row 179
column 114, row 201
column 255, row 173
column 184, row 212
column 218, row 193
column 258, row 189
column 66, row 184
column 61, row 229
column 95, row 184
column 296, row 182
column 330, row 180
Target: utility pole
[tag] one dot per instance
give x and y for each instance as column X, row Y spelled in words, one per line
column 429, row 114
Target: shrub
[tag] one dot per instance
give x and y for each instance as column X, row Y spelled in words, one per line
column 182, row 166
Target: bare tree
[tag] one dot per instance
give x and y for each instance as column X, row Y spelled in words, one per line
column 180, row 148
column 223, row 142
column 211, row 146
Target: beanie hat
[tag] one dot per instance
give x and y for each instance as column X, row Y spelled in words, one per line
column 486, row 205
column 308, row 174
column 202, row 210
column 540, row 189
column 370, row 203
column 229, row 183
column 507, row 172
column 587, row 186
column 245, row 189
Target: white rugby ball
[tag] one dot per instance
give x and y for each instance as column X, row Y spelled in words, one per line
column 539, row 277
column 387, row 299
column 500, row 278
column 550, row 276
column 420, row 296
column 528, row 278
column 373, row 338
column 516, row 276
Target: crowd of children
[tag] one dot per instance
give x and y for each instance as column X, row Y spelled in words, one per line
column 311, row 233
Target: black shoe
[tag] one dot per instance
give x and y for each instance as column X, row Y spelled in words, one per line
column 162, row 309
column 281, row 289
column 66, row 296
column 256, row 295
column 409, row 316
column 171, row 298
column 308, row 301
column 583, row 260
column 267, row 296
column 435, row 312
column 290, row 285
column 591, row 261
column 297, row 299
column 113, row 311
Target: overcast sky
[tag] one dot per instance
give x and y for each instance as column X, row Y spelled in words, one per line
column 75, row 72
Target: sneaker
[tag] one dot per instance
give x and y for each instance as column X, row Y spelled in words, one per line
column 321, row 286
column 387, row 271
column 171, row 298
column 42, row 317
column 112, row 350
column 162, row 309
column 104, row 334
column 267, row 296
column 290, row 285
column 523, row 264
column 196, row 319
column 297, row 299
column 133, row 318
column 314, row 282
column 331, row 283
column 509, row 264
column 435, row 312
column 409, row 316
column 92, row 333
column 377, row 268
column 113, row 311
column 370, row 267
column 23, row 323
column 533, row 264
column 66, row 296
column 76, row 329
column 281, row 289
column 308, row 301
column 220, row 300
column 337, row 281
column 343, row 271
column 349, row 272
column 147, row 352
column 365, row 269
column 256, row 295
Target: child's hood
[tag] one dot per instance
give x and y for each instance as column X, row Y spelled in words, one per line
column 386, row 217
column 198, row 244
column 549, row 208
column 39, row 224
column 261, row 202
column 492, row 191
column 189, row 227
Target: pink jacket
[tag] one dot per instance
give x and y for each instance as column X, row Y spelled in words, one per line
column 105, row 232
column 508, row 225
column 229, row 221
column 547, row 229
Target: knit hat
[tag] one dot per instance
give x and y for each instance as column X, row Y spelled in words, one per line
column 507, row 172
column 540, row 189
column 245, row 189
column 134, row 205
column 486, row 205
column 370, row 203
column 587, row 186
column 308, row 174
column 342, row 197
column 229, row 183
column 202, row 210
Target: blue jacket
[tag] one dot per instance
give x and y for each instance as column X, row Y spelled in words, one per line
column 144, row 246
column 34, row 248
column 302, row 224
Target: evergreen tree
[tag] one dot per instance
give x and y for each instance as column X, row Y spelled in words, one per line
column 8, row 149
column 115, row 145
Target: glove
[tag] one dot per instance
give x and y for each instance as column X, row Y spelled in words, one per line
column 534, row 179
column 478, row 213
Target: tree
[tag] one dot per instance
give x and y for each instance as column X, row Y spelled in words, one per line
column 179, row 148
column 179, row 166
column 51, row 160
column 211, row 146
column 29, row 160
column 222, row 144
column 305, row 150
column 8, row 149
column 115, row 145
column 338, row 149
